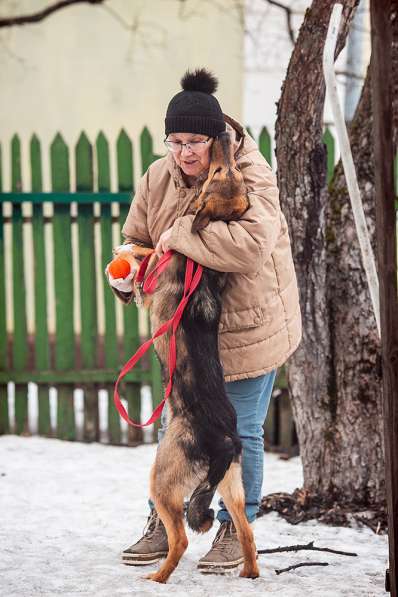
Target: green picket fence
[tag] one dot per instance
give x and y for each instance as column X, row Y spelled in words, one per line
column 65, row 359
column 62, row 357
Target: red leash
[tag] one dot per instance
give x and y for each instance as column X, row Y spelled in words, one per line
column 191, row 282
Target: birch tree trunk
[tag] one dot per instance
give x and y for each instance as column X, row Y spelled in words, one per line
column 334, row 377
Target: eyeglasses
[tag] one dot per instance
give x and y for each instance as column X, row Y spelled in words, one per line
column 195, row 146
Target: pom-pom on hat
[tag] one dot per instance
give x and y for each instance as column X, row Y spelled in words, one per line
column 195, row 109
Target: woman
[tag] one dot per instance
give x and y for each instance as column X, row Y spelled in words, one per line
column 260, row 324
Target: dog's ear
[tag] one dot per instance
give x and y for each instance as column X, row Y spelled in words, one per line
column 200, row 220
column 148, row 298
column 140, row 252
column 144, row 300
column 152, row 262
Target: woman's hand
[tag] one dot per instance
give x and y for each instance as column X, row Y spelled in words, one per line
column 163, row 246
column 121, row 284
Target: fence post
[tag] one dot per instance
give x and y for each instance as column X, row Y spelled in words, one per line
column 265, row 145
column 42, row 350
column 131, row 339
column 270, row 422
column 286, row 423
column 4, row 415
column 20, row 351
column 63, row 279
column 249, row 132
column 111, row 356
column 147, row 155
column 88, row 287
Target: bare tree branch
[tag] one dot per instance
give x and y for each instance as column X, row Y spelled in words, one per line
column 42, row 14
column 289, row 14
column 307, row 546
column 280, row 570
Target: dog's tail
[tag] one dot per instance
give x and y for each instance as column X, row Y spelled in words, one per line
column 200, row 516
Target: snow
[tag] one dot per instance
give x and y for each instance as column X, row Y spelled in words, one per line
column 68, row 509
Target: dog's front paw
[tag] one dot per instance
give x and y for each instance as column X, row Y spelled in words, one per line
column 155, row 576
column 250, row 572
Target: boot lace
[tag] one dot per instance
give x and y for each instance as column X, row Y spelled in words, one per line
column 224, row 535
column 152, row 524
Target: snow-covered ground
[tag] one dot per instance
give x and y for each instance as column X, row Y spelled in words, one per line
column 68, row 509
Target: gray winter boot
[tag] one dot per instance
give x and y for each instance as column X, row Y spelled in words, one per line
column 152, row 546
column 226, row 552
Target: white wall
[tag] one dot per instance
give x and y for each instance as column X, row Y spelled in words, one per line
column 113, row 66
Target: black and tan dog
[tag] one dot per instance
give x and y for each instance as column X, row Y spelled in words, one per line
column 201, row 449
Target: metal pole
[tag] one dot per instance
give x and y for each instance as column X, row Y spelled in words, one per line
column 348, row 163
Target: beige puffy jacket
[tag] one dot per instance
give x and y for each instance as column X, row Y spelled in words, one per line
column 260, row 324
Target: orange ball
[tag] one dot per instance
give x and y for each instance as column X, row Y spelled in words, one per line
column 119, row 268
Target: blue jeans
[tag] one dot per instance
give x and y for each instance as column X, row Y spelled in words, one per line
column 250, row 398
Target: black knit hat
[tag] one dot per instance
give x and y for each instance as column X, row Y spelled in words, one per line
column 195, row 109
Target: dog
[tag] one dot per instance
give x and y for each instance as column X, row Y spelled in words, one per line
column 201, row 450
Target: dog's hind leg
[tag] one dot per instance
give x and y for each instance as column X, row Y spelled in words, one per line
column 169, row 504
column 232, row 492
